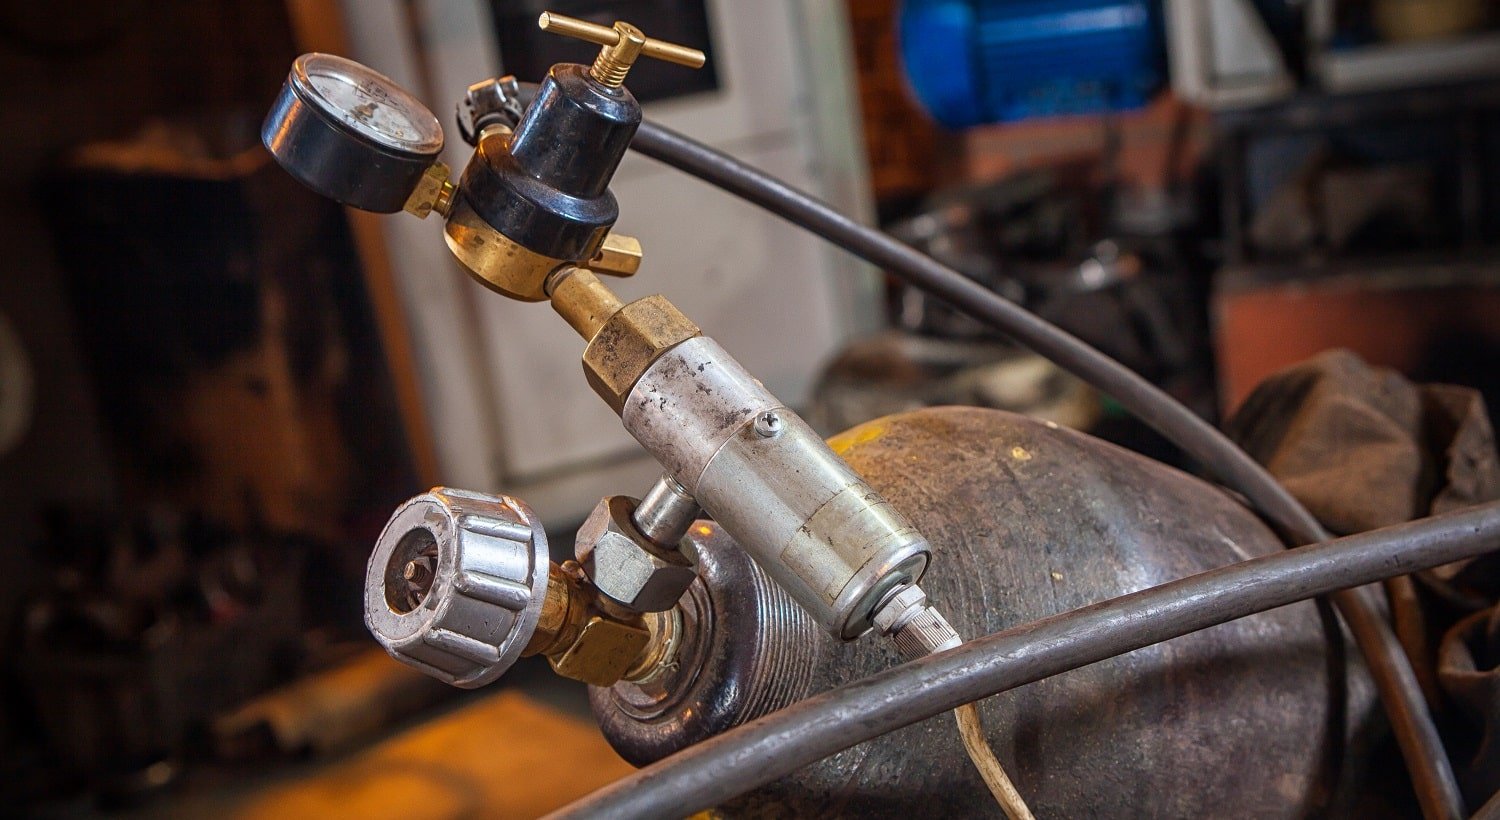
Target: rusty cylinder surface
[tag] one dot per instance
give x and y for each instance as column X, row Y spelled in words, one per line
column 1025, row 520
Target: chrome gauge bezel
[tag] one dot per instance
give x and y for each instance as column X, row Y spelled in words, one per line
column 377, row 90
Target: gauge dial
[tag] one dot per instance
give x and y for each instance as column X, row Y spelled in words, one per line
column 351, row 134
column 368, row 103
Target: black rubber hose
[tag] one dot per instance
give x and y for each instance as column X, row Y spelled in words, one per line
column 1195, row 436
column 763, row 750
column 1431, row 773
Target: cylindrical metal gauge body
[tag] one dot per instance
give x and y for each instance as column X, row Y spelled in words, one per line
column 766, row 476
column 1250, row 718
column 351, row 134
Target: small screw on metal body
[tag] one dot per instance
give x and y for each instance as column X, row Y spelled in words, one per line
column 769, row 424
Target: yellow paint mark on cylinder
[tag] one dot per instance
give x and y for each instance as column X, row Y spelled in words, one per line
column 855, row 436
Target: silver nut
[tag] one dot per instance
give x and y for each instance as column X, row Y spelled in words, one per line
column 456, row 583
column 916, row 628
column 624, row 565
column 898, row 609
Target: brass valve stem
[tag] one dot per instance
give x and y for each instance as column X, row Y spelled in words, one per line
column 564, row 609
column 623, row 45
column 582, row 300
column 614, row 62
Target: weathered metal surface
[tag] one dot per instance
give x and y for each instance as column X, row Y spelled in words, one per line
column 626, row 566
column 729, row 668
column 627, row 344
column 1028, row 520
column 766, row 476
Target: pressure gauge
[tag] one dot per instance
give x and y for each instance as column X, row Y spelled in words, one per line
column 351, row 134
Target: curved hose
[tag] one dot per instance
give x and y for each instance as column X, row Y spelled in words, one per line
column 991, row 771
column 1400, row 693
column 778, row 744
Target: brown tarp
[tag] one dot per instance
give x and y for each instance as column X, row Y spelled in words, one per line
column 1363, row 447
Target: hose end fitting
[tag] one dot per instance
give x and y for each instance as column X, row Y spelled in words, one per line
column 916, row 628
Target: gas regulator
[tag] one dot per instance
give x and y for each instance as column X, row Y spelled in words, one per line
column 460, row 584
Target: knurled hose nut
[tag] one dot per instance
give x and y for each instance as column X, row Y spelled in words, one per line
column 455, row 584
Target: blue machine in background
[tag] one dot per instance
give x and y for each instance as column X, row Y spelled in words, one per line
column 981, row 61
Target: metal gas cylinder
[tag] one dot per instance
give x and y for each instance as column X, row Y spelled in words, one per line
column 1025, row 520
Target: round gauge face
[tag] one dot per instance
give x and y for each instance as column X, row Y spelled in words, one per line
column 368, row 104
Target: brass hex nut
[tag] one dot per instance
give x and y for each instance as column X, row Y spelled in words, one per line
column 629, row 342
column 624, row 566
column 604, row 651
column 429, row 191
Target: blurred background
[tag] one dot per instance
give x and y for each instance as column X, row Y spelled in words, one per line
column 215, row 386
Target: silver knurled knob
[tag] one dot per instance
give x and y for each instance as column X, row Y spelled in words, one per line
column 913, row 625
column 456, row 583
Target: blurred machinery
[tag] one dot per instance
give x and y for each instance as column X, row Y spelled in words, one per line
column 1233, row 54
column 749, row 571
column 979, row 61
column 1356, row 152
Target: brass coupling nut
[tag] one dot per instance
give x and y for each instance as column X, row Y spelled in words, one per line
column 629, row 341
column 587, row 639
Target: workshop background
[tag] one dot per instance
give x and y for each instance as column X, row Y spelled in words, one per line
column 215, row 385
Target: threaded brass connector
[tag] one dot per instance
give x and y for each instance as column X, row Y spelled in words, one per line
column 586, row 639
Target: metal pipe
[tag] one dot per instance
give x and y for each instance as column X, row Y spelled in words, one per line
column 1432, row 776
column 665, row 513
column 582, row 300
column 809, row 520
column 759, row 752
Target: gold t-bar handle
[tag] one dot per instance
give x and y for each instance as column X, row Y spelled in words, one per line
column 622, row 45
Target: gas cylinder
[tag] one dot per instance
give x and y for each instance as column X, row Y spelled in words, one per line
column 1025, row 519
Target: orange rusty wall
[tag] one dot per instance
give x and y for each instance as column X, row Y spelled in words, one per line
column 1260, row 328
column 902, row 142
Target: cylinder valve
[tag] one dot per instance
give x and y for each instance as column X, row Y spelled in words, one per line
column 460, row 587
column 456, row 584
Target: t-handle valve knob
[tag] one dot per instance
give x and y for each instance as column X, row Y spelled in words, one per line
column 623, row 44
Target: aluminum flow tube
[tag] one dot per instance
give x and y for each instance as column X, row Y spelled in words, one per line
column 1432, row 776
column 763, row 750
column 812, row 523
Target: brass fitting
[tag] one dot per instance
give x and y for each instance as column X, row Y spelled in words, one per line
column 622, row 46
column 620, row 255
column 586, row 639
column 499, row 262
column 624, row 340
column 582, row 300
column 433, row 193
column 494, row 259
